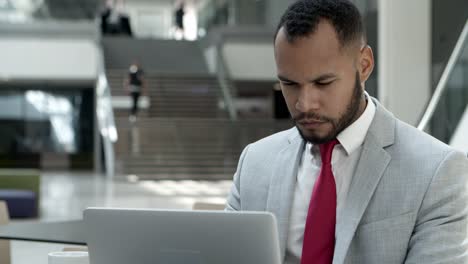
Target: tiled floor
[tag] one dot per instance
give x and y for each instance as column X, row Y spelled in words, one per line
column 64, row 196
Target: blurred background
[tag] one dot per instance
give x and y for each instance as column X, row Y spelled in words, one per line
column 149, row 103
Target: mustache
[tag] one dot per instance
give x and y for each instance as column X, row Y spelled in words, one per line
column 301, row 117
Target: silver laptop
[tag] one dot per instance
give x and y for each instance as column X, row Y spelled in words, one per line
column 124, row 236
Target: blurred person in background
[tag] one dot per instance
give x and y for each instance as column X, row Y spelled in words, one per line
column 114, row 21
column 135, row 86
column 179, row 20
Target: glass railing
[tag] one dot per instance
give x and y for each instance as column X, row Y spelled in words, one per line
column 450, row 97
column 105, row 117
column 214, row 13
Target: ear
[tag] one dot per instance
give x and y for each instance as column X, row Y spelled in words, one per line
column 365, row 63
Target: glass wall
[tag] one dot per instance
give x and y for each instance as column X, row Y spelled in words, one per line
column 448, row 19
column 46, row 120
column 214, row 13
column 453, row 101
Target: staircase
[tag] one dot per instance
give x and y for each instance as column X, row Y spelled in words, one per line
column 187, row 148
column 168, row 57
column 183, row 134
column 172, row 96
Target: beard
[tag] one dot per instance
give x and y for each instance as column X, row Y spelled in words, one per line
column 338, row 124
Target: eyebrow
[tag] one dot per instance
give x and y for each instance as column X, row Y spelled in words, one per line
column 323, row 77
column 320, row 78
column 284, row 79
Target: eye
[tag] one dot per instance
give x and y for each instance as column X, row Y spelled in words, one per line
column 324, row 83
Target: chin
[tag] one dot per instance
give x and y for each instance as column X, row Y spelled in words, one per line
column 316, row 137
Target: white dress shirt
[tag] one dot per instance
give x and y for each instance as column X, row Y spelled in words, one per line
column 345, row 157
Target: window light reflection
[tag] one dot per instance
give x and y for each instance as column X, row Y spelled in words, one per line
column 60, row 112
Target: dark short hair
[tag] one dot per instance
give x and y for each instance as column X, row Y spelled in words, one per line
column 303, row 16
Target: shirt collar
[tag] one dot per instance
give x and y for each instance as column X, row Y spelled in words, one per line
column 352, row 137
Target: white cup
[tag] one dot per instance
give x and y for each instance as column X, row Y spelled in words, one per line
column 69, row 257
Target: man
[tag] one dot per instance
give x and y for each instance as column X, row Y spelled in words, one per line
column 350, row 183
column 179, row 14
column 135, row 85
column 179, row 17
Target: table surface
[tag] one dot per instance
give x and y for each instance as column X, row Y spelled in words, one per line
column 67, row 232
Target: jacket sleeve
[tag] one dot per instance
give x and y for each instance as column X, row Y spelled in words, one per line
column 441, row 231
column 234, row 199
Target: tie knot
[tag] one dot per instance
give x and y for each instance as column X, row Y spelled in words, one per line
column 326, row 150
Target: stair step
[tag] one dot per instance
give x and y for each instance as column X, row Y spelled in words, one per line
column 187, row 170
column 183, row 176
column 180, row 163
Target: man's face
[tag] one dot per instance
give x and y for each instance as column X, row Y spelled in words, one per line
column 320, row 82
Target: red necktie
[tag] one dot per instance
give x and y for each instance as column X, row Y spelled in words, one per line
column 319, row 234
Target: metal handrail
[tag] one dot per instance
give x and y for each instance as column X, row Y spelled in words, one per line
column 442, row 85
column 223, row 81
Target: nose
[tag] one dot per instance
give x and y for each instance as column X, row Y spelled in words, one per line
column 308, row 99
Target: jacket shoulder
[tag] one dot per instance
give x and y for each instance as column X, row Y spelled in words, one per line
column 411, row 140
column 275, row 141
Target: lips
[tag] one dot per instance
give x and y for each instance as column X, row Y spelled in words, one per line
column 311, row 121
column 311, row 124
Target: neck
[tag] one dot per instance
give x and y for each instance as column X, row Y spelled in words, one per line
column 362, row 107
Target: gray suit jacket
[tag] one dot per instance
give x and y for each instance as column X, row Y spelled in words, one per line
column 407, row 203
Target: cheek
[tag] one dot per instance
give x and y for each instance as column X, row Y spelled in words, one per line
column 336, row 101
column 290, row 99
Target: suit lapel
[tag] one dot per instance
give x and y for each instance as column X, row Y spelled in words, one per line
column 371, row 166
column 282, row 185
column 370, row 169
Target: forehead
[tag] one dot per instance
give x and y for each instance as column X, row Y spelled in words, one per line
column 318, row 52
